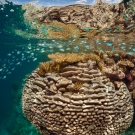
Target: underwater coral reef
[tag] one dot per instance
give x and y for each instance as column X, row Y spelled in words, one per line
column 88, row 94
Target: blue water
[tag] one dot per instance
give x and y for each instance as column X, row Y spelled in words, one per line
column 19, row 56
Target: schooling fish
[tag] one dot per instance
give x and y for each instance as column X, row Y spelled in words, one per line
column 9, row 73
column 9, row 54
column 11, row 10
column 13, row 68
column 18, row 63
column 18, row 52
column 4, row 77
column 34, row 59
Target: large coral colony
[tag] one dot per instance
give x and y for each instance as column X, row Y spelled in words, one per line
column 81, row 94
column 89, row 93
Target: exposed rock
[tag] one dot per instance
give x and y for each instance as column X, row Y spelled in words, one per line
column 84, row 16
column 73, row 21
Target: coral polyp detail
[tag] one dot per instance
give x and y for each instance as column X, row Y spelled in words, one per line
column 77, row 99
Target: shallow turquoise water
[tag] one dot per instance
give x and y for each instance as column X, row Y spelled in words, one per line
column 19, row 56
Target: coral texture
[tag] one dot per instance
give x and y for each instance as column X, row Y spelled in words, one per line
column 77, row 99
column 97, row 16
column 81, row 21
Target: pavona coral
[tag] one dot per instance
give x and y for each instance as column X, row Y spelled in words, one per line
column 85, row 96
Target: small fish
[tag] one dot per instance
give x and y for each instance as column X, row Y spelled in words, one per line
column 60, row 46
column 9, row 73
column 130, row 53
column 4, row 77
column 61, row 49
column 87, row 47
column 40, row 44
column 109, row 43
column 13, row 68
column 32, row 54
column 83, row 42
column 18, row 63
column 76, row 48
column 11, row 10
column 34, row 59
column 9, row 54
column 11, row 63
column 29, row 47
column 0, row 69
column 23, row 59
column 18, row 52
column 123, row 43
column 50, row 47
column 28, row 52
column 68, row 49
column 42, row 50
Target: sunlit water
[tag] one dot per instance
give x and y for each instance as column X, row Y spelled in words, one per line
column 19, row 56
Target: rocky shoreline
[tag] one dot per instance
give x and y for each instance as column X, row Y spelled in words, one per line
column 84, row 16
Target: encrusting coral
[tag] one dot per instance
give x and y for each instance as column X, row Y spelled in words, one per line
column 80, row 97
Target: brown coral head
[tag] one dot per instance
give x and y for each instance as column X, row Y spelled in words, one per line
column 77, row 100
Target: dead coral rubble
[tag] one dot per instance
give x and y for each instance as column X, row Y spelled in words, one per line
column 77, row 99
